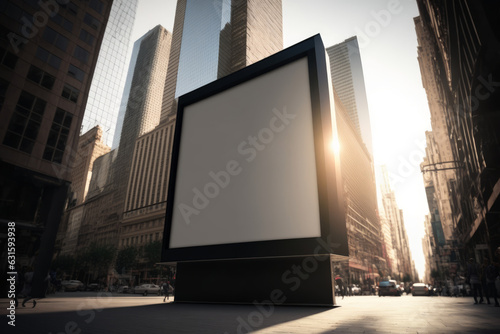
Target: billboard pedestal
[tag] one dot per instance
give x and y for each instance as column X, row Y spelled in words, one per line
column 304, row 280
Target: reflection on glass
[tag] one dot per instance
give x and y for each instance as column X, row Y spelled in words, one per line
column 206, row 44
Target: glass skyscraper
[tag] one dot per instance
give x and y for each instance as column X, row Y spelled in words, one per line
column 349, row 83
column 212, row 39
column 106, row 91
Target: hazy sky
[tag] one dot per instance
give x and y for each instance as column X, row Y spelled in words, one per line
column 397, row 102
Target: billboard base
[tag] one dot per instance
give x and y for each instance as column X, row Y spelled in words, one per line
column 304, row 280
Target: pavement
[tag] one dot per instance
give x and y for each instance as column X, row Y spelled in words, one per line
column 87, row 312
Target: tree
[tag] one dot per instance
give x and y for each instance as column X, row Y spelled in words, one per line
column 152, row 252
column 99, row 258
column 64, row 263
column 407, row 278
column 126, row 259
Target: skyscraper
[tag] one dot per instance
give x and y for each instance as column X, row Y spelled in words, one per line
column 109, row 77
column 144, row 103
column 349, row 82
column 45, row 77
column 214, row 38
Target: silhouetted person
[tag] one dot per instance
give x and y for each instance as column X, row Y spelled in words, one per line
column 490, row 274
column 340, row 284
column 28, row 278
column 473, row 274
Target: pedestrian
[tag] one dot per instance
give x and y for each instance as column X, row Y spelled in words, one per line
column 166, row 290
column 340, row 284
column 473, row 276
column 491, row 273
column 26, row 292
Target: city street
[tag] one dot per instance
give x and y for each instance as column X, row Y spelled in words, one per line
column 86, row 312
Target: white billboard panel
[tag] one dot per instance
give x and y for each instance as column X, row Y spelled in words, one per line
column 246, row 168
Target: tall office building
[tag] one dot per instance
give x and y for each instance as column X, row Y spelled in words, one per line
column 103, row 208
column 397, row 245
column 214, row 38
column 107, row 86
column 462, row 40
column 366, row 261
column 45, row 77
column 349, row 82
column 126, row 93
column 144, row 103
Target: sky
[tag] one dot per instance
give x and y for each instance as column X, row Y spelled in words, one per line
column 397, row 103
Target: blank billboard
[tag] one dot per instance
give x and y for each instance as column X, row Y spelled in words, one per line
column 246, row 168
column 251, row 173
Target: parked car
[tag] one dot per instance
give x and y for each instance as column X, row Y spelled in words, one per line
column 356, row 290
column 146, row 289
column 123, row 289
column 73, row 285
column 419, row 289
column 388, row 288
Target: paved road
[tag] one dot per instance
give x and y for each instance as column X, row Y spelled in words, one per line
column 119, row 313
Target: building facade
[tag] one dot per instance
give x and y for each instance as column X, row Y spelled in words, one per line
column 106, row 91
column 348, row 80
column 366, row 263
column 464, row 38
column 90, row 147
column 47, row 70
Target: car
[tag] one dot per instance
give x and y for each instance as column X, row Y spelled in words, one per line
column 146, row 289
column 419, row 289
column 123, row 289
column 72, row 285
column 388, row 288
column 356, row 290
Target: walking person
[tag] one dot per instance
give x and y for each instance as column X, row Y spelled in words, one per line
column 491, row 273
column 473, row 275
column 166, row 290
column 26, row 292
column 340, row 284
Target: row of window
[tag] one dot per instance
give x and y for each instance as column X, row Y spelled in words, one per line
column 61, row 42
column 70, row 6
column 25, row 124
column 46, row 80
column 143, row 239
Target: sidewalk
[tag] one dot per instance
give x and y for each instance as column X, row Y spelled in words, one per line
column 119, row 313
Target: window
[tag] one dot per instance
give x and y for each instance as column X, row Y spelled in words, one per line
column 91, row 21
column 63, row 22
column 81, row 54
column 48, row 58
column 25, row 122
column 54, row 38
column 8, row 58
column 58, row 136
column 71, row 93
column 96, row 5
column 40, row 77
column 75, row 72
column 70, row 8
column 4, row 84
column 87, row 37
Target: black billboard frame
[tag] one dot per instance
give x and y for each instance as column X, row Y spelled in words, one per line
column 333, row 240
